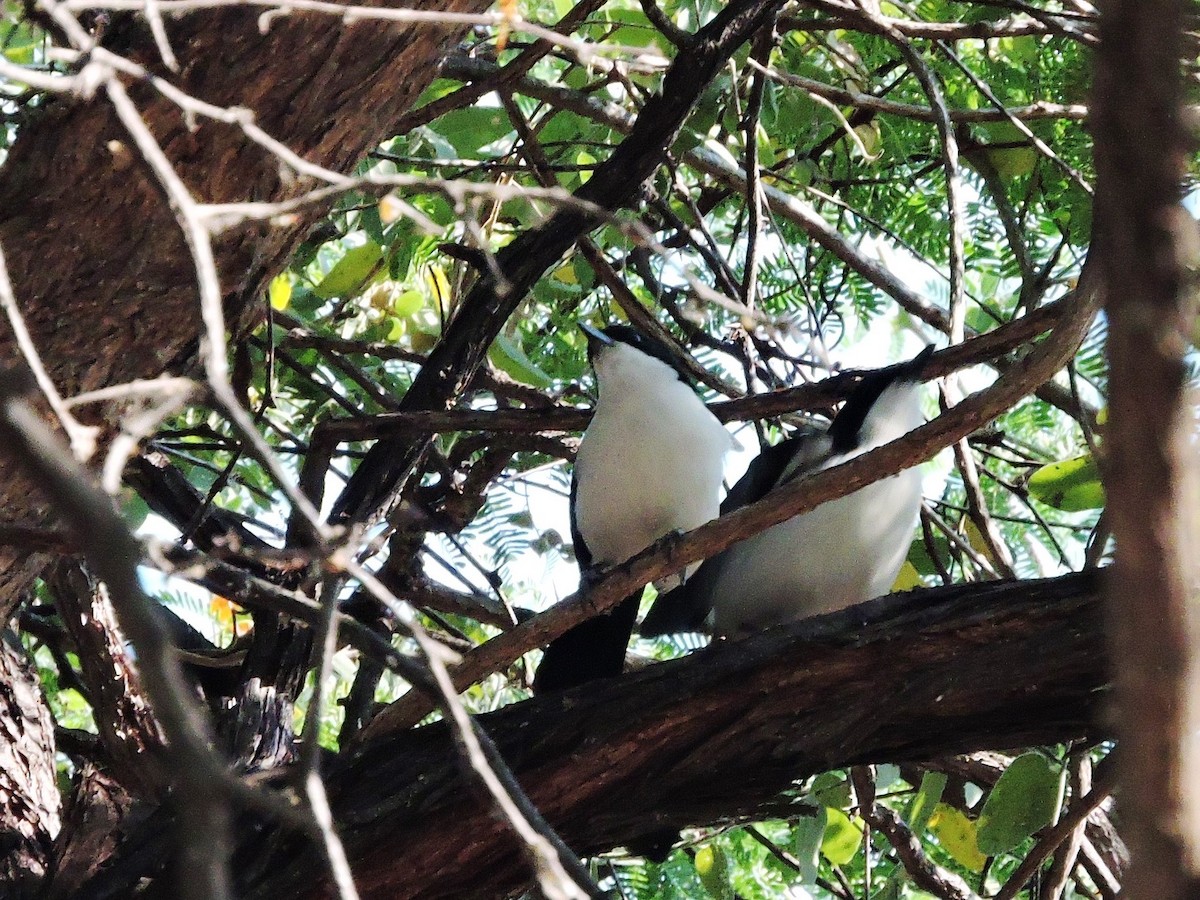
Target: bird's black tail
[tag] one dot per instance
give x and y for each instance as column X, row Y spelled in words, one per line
column 680, row 610
column 591, row 650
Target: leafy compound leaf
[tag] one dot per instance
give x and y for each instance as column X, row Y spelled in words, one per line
column 1027, row 797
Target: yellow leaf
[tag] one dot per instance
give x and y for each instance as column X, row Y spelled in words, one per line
column 978, row 544
column 957, row 835
column 280, row 292
column 437, row 283
column 908, row 578
column 566, row 274
column 843, row 837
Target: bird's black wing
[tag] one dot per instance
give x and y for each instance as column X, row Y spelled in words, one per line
column 583, row 556
column 687, row 606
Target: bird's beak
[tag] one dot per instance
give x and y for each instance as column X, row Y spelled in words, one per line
column 597, row 339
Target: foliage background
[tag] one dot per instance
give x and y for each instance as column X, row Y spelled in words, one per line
column 841, row 128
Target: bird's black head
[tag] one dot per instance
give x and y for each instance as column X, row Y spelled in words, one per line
column 625, row 334
column 849, row 421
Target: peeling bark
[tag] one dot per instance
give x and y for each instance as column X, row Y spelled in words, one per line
column 127, row 727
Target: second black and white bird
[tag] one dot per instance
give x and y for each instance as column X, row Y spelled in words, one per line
column 838, row 554
column 650, row 463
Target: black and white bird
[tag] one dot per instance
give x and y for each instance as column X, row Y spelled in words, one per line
column 650, row 463
column 840, row 553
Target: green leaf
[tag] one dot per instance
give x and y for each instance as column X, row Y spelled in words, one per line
column 507, row 355
column 21, row 54
column 921, row 810
column 351, row 272
column 1072, row 485
column 843, row 837
column 473, row 127
column 958, row 836
column 830, row 789
column 1027, row 797
column 1014, row 160
column 408, row 303
column 810, row 834
column 713, row 869
column 585, row 160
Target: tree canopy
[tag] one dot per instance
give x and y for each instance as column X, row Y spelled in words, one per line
column 294, row 381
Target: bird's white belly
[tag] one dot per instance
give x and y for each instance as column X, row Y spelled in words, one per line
column 839, row 554
column 656, row 474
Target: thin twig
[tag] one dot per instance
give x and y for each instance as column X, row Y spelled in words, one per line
column 349, row 14
column 324, row 645
column 558, row 870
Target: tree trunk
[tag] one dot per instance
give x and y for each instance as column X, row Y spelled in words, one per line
column 98, row 264
column 101, row 274
column 1147, row 246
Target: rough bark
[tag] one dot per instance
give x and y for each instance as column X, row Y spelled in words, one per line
column 98, row 264
column 1147, row 245
column 99, row 811
column 30, row 806
column 128, row 731
column 711, row 738
column 99, row 267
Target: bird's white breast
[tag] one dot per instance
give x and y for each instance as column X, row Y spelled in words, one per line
column 651, row 460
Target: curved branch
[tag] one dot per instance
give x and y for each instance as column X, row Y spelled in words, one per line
column 815, row 395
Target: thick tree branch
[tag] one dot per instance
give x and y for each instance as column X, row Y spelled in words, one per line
column 716, row 736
